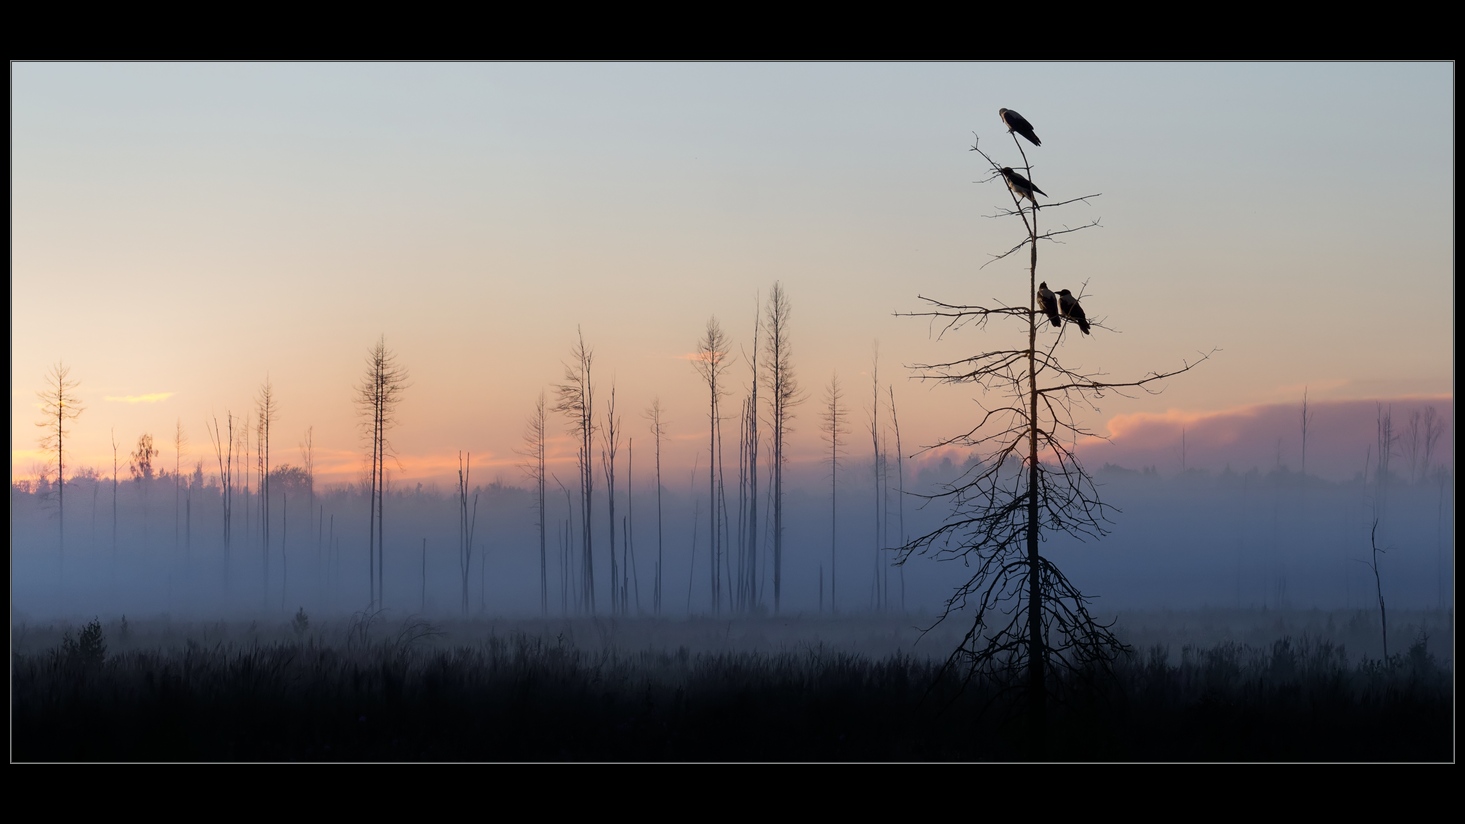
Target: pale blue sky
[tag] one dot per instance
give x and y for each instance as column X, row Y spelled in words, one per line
column 192, row 228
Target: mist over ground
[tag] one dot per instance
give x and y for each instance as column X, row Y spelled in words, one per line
column 1178, row 541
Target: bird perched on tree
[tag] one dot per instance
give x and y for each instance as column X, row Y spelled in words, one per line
column 1068, row 305
column 1017, row 123
column 1020, row 185
column 1048, row 303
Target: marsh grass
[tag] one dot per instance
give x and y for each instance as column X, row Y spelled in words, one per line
column 369, row 688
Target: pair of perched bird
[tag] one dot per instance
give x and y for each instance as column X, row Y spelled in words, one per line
column 1020, row 186
column 1062, row 305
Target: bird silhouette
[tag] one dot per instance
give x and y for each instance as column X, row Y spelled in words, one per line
column 1068, row 305
column 1017, row 123
column 1048, row 303
column 1020, row 185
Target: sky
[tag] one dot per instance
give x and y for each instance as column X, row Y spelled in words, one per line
column 183, row 233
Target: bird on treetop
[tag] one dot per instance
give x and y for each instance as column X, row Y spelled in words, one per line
column 1017, row 123
column 1048, row 303
column 1020, row 185
column 1068, row 305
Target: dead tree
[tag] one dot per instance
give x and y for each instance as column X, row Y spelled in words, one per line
column 1030, row 631
column 114, row 499
column 877, row 467
column 59, row 405
column 610, row 442
column 467, row 523
column 783, row 389
column 141, row 469
column 533, row 466
column 833, row 423
column 711, row 353
column 268, row 411
column 224, row 451
column 1378, row 582
column 307, row 461
column 657, row 430
column 377, row 398
column 576, row 401
column 900, row 481
column 750, row 543
column 179, row 441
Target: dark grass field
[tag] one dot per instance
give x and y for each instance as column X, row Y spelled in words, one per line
column 695, row 690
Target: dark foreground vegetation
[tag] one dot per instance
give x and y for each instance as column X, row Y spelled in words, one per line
column 407, row 691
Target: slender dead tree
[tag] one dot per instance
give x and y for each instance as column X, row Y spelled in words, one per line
column 833, row 425
column 224, row 451
column 1387, row 441
column 900, row 481
column 1306, row 419
column 1031, row 630
column 268, row 411
column 307, row 462
column 784, row 395
column 114, row 499
column 750, row 549
column 466, row 524
column 1378, row 583
column 141, row 469
column 244, row 451
column 377, row 397
column 709, row 363
column 610, row 441
column 657, row 431
column 877, row 468
column 566, row 561
column 535, row 434
column 576, row 401
column 629, row 547
column 59, row 406
column 179, row 441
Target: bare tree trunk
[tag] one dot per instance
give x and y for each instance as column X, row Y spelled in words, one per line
column 610, row 442
column 378, row 395
column 711, row 352
column 875, row 451
column 577, row 401
column 466, row 525
column 785, row 395
column 900, row 476
column 654, row 413
column 833, row 426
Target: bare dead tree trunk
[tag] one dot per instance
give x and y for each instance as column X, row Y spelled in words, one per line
column 785, row 394
column 226, row 477
column 754, row 588
column 535, row 433
column 900, row 478
column 654, row 414
column 377, row 397
column 630, row 524
column 467, row 524
column 268, row 411
column 833, row 427
column 1379, row 586
column 875, row 458
column 610, row 442
column 59, row 404
column 1029, row 623
column 711, row 352
column 577, row 401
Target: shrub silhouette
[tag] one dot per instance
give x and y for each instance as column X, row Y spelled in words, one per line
column 89, row 649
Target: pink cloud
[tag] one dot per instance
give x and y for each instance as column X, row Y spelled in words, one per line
column 1341, row 436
